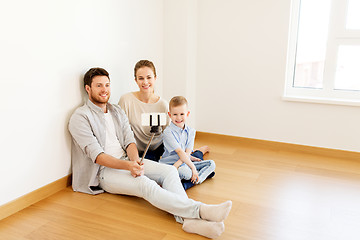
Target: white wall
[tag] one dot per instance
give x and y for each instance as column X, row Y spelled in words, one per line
column 241, row 68
column 227, row 57
column 240, row 74
column 45, row 48
column 180, row 50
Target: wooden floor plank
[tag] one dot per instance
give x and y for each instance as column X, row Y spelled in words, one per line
column 277, row 194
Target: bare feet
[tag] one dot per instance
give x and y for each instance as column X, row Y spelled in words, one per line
column 204, row 149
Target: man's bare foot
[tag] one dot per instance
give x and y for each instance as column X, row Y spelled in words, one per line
column 204, row 149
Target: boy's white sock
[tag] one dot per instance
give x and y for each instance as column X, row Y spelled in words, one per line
column 203, row 227
column 215, row 213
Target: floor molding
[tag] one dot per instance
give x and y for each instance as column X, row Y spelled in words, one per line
column 328, row 152
column 46, row 191
column 33, row 197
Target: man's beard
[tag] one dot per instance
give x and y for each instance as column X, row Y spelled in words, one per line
column 99, row 100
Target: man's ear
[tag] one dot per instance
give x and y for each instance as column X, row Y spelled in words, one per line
column 169, row 114
column 87, row 88
column 188, row 113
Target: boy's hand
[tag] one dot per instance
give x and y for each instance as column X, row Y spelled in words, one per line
column 195, row 176
column 195, row 159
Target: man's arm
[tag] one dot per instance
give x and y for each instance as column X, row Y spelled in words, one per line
column 112, row 162
column 109, row 161
column 133, row 154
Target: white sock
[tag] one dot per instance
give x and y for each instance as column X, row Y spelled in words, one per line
column 215, row 213
column 203, row 227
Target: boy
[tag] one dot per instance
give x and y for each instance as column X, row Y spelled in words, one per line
column 178, row 141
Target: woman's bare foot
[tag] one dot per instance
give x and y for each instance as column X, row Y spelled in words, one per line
column 204, row 149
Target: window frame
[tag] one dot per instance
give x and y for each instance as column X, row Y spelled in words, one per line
column 337, row 35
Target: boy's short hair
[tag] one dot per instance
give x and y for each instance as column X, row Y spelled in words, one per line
column 177, row 101
column 93, row 72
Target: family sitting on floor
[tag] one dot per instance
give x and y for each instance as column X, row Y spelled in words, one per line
column 108, row 138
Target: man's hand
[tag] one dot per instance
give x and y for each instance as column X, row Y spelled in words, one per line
column 136, row 169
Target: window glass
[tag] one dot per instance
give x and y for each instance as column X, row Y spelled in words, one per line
column 311, row 43
column 347, row 75
column 324, row 52
column 353, row 16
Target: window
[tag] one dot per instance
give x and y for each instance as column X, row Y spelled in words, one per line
column 323, row 63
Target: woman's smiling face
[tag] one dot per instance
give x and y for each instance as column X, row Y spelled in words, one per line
column 145, row 79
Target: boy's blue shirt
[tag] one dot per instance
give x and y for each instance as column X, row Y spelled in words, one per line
column 174, row 138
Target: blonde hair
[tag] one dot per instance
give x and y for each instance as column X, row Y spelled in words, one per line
column 144, row 63
column 177, row 101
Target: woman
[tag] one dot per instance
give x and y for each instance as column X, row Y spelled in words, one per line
column 146, row 101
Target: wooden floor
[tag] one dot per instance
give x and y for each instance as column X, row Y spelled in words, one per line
column 276, row 194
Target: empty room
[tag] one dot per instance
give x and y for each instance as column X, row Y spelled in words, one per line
column 180, row 119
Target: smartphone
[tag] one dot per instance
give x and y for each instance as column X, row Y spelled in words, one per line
column 153, row 119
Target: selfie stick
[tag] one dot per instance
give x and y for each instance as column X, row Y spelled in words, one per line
column 154, row 130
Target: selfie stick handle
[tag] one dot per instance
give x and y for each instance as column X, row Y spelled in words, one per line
column 147, row 147
column 154, row 129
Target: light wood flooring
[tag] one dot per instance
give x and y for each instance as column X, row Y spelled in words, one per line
column 277, row 195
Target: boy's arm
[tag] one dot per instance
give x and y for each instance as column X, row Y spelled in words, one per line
column 178, row 163
column 188, row 152
column 185, row 158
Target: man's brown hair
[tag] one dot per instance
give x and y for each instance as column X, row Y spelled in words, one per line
column 93, row 72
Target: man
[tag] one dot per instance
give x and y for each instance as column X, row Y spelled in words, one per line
column 105, row 158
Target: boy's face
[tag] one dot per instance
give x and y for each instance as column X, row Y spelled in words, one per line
column 178, row 115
